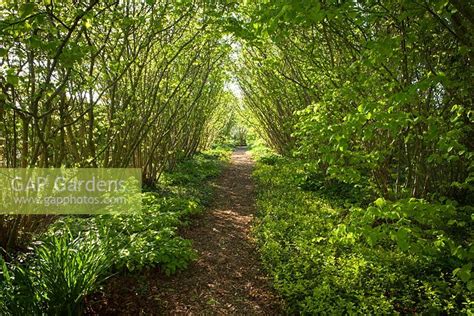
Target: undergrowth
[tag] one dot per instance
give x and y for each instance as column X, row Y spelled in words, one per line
column 77, row 254
column 334, row 248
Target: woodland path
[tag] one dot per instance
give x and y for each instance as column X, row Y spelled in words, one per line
column 227, row 278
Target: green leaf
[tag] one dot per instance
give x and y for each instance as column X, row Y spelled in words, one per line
column 12, row 79
column 380, row 202
column 464, row 273
column 470, row 285
column 5, row 272
column 26, row 9
column 402, row 239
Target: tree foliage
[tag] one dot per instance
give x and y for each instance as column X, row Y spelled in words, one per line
column 377, row 92
column 108, row 84
column 373, row 101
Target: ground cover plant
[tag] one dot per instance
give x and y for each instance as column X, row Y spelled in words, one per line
column 76, row 255
column 329, row 253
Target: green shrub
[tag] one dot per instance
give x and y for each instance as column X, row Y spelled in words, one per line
column 271, row 159
column 260, row 151
column 330, row 255
column 192, row 172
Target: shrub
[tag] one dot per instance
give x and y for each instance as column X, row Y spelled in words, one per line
column 329, row 255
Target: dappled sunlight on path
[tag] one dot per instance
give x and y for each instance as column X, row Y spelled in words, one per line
column 227, row 278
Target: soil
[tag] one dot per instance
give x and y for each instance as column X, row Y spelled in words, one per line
column 227, row 278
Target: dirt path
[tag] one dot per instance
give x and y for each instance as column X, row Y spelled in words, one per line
column 227, row 278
